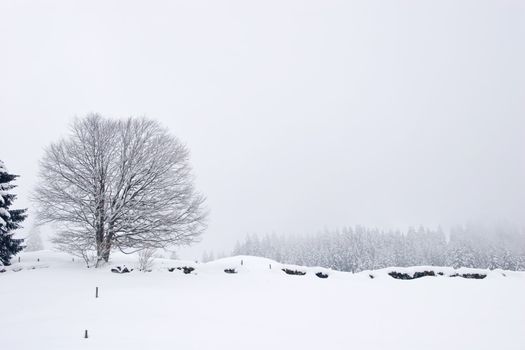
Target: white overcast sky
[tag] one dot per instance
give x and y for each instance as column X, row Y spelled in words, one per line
column 300, row 115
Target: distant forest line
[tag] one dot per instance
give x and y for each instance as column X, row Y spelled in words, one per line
column 360, row 248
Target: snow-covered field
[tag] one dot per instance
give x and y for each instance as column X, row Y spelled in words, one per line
column 51, row 306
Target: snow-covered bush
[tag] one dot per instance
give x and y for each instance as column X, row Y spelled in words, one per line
column 321, row 274
column 119, row 269
column 146, row 259
column 418, row 272
column 185, row 269
column 294, row 272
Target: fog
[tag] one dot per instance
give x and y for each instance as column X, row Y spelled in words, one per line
column 300, row 115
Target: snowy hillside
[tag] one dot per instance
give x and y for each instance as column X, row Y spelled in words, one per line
column 251, row 303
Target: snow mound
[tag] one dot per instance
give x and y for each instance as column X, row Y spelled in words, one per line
column 242, row 264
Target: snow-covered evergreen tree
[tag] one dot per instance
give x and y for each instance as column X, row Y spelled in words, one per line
column 10, row 219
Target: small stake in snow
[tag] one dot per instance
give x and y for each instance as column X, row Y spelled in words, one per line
column 85, row 334
column 96, row 292
column 18, row 259
column 38, row 259
column 270, row 266
column 241, row 262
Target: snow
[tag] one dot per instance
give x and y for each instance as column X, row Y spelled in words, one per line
column 49, row 303
column 5, row 213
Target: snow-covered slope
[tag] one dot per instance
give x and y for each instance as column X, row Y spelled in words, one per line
column 50, row 302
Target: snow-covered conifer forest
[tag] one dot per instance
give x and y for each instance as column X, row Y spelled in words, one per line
column 360, row 248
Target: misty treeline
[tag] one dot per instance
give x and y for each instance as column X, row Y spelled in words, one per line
column 360, row 248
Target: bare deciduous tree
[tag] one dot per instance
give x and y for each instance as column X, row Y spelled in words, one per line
column 119, row 184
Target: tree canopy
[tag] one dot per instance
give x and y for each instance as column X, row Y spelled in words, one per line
column 119, row 184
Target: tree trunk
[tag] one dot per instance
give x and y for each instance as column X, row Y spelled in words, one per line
column 100, row 217
column 107, row 248
column 107, row 241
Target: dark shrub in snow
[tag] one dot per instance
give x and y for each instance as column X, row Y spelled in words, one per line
column 321, row 275
column 119, row 269
column 406, row 276
column 419, row 274
column 294, row 272
column 477, row 276
column 230, row 271
column 400, row 276
column 186, row 269
column 423, row 274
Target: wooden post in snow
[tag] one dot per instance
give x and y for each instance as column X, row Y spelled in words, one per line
column 85, row 334
column 96, row 292
column 241, row 262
